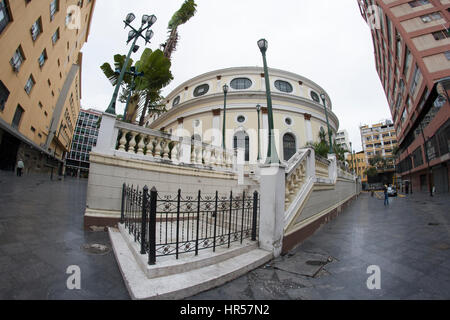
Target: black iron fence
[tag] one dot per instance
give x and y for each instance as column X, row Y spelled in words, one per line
column 172, row 225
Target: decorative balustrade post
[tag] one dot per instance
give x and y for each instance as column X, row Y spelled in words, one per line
column 207, row 155
column 157, row 147
column 174, row 152
column 141, row 144
column 166, row 149
column 123, row 140
column 152, row 227
column 144, row 218
column 132, row 142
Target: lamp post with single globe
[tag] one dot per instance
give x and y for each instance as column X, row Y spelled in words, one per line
column 258, row 109
column 328, row 123
column 225, row 91
column 272, row 156
column 147, row 22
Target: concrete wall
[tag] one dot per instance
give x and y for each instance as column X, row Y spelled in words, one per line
column 108, row 173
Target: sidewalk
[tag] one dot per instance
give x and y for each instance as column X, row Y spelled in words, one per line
column 409, row 240
column 41, row 235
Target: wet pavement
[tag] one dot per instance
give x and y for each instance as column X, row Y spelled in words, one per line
column 41, row 235
column 409, row 241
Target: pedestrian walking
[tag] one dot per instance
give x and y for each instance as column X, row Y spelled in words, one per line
column 386, row 195
column 20, row 166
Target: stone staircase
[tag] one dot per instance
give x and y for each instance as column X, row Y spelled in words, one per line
column 170, row 278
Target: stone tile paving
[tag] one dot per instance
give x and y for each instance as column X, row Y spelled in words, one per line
column 41, row 234
column 409, row 240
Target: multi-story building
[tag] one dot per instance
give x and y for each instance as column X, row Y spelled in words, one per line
column 342, row 139
column 379, row 139
column 40, row 79
column 358, row 163
column 84, row 139
column 195, row 109
column 412, row 56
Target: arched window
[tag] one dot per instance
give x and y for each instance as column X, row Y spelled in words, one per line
column 241, row 140
column 315, row 96
column 289, row 148
column 176, row 101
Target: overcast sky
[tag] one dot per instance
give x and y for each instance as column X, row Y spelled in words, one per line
column 326, row 41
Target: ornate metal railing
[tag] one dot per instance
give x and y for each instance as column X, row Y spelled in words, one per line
column 172, row 225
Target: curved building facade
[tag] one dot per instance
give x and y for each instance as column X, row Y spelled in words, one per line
column 196, row 109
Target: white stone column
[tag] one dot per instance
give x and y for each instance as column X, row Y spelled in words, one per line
column 107, row 135
column 217, row 128
column 272, row 202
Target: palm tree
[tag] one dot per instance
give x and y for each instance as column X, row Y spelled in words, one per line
column 180, row 17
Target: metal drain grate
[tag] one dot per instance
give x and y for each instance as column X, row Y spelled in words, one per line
column 95, row 248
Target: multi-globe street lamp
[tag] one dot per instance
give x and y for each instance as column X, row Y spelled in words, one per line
column 225, row 91
column 258, row 110
column 147, row 22
column 328, row 123
column 272, row 156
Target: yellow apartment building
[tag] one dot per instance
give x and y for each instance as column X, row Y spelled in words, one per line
column 358, row 162
column 40, row 79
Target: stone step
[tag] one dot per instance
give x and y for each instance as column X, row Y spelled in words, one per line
column 182, row 284
column 168, row 265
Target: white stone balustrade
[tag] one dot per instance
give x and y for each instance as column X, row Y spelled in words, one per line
column 146, row 144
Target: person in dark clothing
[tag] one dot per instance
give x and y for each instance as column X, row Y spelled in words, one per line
column 386, row 195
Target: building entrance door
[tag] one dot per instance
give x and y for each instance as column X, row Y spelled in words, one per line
column 8, row 151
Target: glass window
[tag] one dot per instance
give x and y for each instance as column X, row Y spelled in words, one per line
column 241, row 119
column 55, row 36
column 176, row 101
column 30, row 84
column 447, row 54
column 283, row 86
column 36, row 29
column 4, row 94
column 315, row 96
column 289, row 147
column 54, row 8
column 407, row 63
column 418, row 3
column 241, row 83
column 42, row 58
column 415, row 80
column 17, row 59
column 201, row 90
column 442, row 34
column 5, row 18
column 17, row 117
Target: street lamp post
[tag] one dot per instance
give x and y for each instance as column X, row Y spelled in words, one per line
column 328, row 123
column 351, row 157
column 225, row 91
column 132, row 35
column 272, row 156
column 134, row 73
column 258, row 110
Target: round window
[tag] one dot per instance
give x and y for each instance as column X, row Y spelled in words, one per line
column 315, row 96
column 241, row 83
column 201, row 90
column 196, row 123
column 176, row 101
column 283, row 86
column 240, row 119
column 288, row 121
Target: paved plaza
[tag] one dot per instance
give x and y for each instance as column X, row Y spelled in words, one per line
column 41, row 235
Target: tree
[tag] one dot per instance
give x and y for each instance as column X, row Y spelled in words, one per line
column 186, row 12
column 147, row 92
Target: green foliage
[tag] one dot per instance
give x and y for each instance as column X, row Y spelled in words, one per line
column 180, row 17
column 371, row 172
